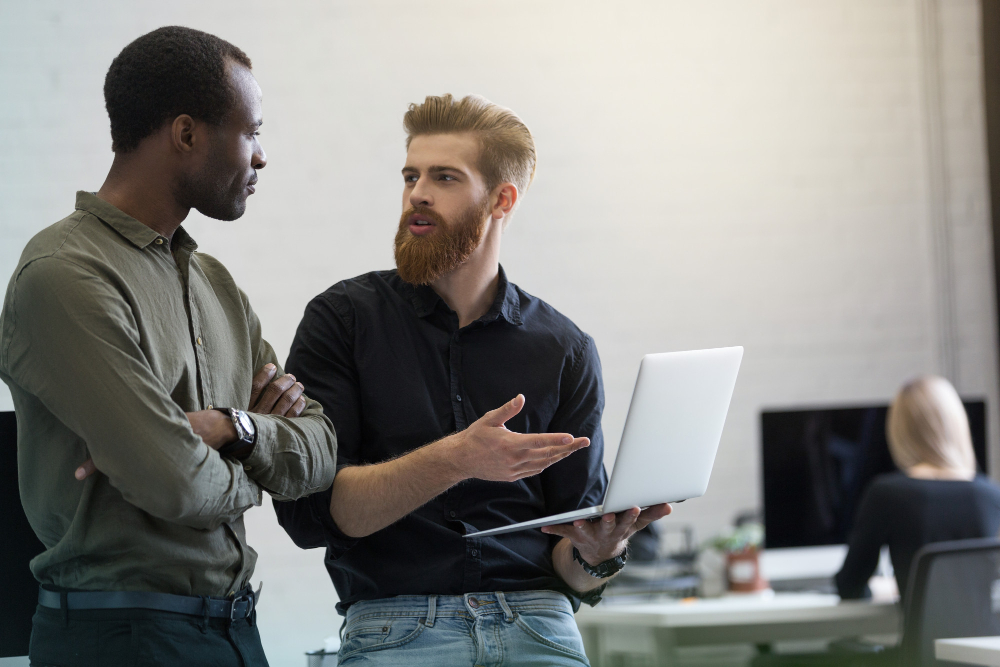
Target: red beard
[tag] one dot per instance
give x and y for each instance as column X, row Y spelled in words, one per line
column 421, row 260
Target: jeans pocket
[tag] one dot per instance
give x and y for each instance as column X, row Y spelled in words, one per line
column 374, row 633
column 553, row 628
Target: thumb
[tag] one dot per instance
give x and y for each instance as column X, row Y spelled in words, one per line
column 506, row 411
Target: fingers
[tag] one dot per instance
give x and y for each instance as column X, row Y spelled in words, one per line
column 287, row 400
column 506, row 411
column 260, row 381
column 539, row 460
column 298, row 408
column 272, row 393
column 651, row 514
column 566, row 530
column 554, row 446
column 86, row 470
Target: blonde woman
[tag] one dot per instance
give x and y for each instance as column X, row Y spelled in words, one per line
column 935, row 496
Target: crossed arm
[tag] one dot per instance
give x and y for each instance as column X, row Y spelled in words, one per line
column 281, row 396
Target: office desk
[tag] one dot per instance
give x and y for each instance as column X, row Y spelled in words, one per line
column 969, row 650
column 657, row 628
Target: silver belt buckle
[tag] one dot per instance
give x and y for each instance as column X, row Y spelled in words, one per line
column 232, row 610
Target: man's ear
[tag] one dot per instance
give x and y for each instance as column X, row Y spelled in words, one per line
column 506, row 197
column 182, row 136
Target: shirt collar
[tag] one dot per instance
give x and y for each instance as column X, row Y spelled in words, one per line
column 139, row 234
column 507, row 303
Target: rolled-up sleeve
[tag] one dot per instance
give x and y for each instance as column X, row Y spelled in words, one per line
column 294, row 456
column 580, row 480
column 321, row 358
column 73, row 342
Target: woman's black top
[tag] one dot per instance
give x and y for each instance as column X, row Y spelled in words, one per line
column 906, row 514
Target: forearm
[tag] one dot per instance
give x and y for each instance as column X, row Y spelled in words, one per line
column 366, row 499
column 571, row 571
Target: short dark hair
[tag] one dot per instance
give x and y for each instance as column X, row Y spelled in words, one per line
column 166, row 73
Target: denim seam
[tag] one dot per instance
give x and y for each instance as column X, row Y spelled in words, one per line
column 378, row 647
column 545, row 640
column 404, row 614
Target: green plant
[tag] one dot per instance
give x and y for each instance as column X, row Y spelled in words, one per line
column 748, row 536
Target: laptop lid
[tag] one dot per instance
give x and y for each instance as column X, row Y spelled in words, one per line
column 673, row 427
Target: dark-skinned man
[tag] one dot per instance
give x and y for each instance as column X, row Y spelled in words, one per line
column 125, row 348
column 410, row 365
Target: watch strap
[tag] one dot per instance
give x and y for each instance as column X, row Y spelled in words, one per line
column 605, row 569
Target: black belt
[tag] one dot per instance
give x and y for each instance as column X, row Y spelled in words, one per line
column 240, row 606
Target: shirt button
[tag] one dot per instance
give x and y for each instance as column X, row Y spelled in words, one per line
column 159, row 241
column 474, row 553
column 248, row 468
column 199, row 340
column 210, row 407
column 458, row 397
column 451, row 514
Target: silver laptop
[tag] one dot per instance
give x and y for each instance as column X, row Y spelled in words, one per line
column 671, row 435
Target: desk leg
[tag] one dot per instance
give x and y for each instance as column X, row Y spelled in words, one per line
column 666, row 644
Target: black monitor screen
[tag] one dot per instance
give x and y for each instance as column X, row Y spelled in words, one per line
column 816, row 463
column 18, row 588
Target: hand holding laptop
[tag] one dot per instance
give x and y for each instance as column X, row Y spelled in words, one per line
column 598, row 541
column 669, row 443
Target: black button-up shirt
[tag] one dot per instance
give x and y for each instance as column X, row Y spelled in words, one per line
column 393, row 372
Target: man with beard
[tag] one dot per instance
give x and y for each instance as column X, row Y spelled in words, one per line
column 425, row 354
column 120, row 342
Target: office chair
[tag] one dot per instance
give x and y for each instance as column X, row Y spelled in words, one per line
column 18, row 588
column 954, row 591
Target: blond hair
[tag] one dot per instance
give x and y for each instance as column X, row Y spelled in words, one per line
column 507, row 149
column 927, row 424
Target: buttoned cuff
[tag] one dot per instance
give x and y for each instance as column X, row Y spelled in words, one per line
column 262, row 454
column 592, row 597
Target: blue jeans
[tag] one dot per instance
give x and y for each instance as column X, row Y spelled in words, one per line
column 487, row 629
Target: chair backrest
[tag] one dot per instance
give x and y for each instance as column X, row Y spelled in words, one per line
column 18, row 588
column 953, row 591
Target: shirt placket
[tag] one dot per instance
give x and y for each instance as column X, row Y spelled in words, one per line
column 473, row 570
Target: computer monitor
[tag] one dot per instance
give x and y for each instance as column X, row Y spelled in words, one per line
column 817, row 462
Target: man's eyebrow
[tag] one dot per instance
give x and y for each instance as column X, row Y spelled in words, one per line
column 435, row 169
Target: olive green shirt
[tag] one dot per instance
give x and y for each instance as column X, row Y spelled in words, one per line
column 107, row 337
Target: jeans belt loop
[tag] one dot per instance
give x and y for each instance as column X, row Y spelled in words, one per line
column 431, row 610
column 508, row 615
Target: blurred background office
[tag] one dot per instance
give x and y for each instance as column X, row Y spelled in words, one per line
column 806, row 179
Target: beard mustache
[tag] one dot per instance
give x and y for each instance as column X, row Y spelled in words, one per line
column 420, row 260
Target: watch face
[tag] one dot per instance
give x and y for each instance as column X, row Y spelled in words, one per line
column 247, row 425
column 245, row 421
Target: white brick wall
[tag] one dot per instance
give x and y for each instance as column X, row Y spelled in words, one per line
column 711, row 173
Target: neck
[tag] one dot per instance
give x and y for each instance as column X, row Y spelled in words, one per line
column 140, row 187
column 928, row 471
column 471, row 289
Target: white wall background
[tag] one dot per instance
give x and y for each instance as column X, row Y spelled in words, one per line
column 807, row 179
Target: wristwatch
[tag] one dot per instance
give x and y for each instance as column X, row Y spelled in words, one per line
column 605, row 569
column 246, row 430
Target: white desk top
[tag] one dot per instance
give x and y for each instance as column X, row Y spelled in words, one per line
column 970, row 650
column 758, row 609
